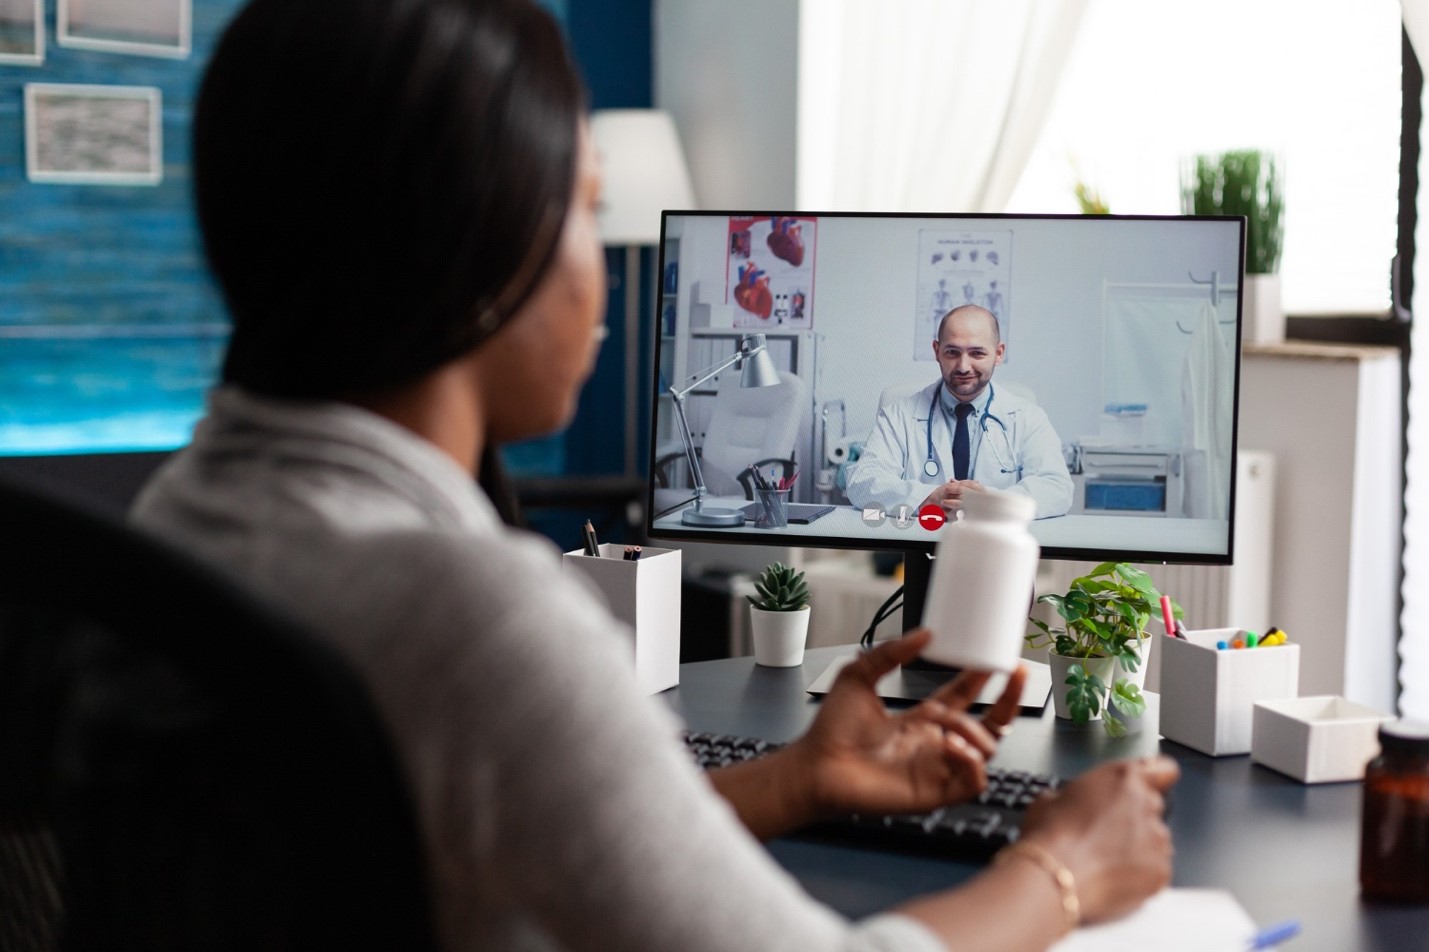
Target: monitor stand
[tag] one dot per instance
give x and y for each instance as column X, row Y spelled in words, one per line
column 908, row 685
column 918, row 678
column 917, row 575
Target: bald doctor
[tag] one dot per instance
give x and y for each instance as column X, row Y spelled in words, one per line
column 961, row 434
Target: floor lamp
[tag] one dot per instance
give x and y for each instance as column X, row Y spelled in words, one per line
column 644, row 173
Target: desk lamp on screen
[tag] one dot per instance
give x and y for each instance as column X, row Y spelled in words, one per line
column 1099, row 355
column 757, row 371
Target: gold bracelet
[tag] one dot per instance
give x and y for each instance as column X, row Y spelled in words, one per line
column 1060, row 874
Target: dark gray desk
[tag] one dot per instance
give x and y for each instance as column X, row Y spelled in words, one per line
column 1285, row 850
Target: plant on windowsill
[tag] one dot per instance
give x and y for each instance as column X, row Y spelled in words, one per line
column 1089, row 200
column 1105, row 615
column 1241, row 182
column 1246, row 182
column 779, row 616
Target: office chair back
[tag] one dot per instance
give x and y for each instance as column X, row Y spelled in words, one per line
column 182, row 767
column 756, row 425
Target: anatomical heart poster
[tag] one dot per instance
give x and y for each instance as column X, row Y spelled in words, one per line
column 957, row 268
column 770, row 271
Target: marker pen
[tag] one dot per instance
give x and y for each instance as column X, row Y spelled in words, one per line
column 1167, row 616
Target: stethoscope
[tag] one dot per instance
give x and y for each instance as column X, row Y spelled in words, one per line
column 931, row 469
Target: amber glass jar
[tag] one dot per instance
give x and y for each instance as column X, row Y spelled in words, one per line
column 1394, row 833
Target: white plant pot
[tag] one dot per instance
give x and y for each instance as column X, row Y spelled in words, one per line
column 779, row 636
column 1264, row 318
column 1061, row 664
column 1138, row 677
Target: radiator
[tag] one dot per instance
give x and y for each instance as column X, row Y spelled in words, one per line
column 1212, row 596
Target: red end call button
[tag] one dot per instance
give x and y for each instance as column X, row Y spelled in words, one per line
column 932, row 517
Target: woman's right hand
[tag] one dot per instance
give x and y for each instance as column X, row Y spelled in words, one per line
column 1108, row 828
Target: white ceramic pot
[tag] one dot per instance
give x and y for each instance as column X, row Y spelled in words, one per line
column 1264, row 317
column 1061, row 664
column 779, row 636
column 1138, row 677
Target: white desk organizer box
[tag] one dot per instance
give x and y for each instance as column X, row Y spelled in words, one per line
column 645, row 594
column 1316, row 739
column 1208, row 694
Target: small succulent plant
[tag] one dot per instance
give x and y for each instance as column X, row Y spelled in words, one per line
column 781, row 588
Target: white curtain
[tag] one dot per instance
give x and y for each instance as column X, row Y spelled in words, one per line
column 927, row 105
column 1414, row 640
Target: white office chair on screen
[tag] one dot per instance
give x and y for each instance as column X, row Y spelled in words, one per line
column 758, row 425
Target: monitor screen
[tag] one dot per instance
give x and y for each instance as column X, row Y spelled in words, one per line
column 840, row 379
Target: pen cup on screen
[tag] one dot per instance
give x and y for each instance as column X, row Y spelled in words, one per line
column 982, row 584
column 773, row 508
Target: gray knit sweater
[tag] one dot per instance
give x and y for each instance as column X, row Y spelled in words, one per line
column 557, row 808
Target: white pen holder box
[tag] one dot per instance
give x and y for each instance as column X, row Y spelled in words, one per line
column 1208, row 694
column 645, row 594
column 1320, row 739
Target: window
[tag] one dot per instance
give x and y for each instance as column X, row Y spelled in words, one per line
column 1314, row 80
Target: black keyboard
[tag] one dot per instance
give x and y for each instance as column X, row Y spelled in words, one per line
column 966, row 831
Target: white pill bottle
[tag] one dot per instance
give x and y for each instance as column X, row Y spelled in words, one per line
column 982, row 583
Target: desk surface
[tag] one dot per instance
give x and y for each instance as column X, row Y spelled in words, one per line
column 1285, row 850
column 1076, row 531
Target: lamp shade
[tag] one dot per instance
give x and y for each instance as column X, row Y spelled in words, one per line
column 759, row 369
column 644, row 171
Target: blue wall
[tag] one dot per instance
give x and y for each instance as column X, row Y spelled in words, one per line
column 611, row 40
column 110, row 329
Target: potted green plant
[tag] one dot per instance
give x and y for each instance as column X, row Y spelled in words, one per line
column 1098, row 650
column 1251, row 183
column 779, row 616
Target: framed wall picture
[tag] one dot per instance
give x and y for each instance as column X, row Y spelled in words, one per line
column 22, row 32
column 140, row 27
column 93, row 135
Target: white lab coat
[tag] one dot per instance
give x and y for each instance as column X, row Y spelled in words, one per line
column 1014, row 448
column 1207, row 415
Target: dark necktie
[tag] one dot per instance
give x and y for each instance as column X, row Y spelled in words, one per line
column 960, row 441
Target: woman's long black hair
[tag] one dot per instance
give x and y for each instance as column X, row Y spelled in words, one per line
column 380, row 183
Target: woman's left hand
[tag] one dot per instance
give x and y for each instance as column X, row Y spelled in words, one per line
column 861, row 758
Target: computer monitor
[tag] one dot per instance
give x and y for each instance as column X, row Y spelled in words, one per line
column 1101, row 354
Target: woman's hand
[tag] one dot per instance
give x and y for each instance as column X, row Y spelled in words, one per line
column 860, row 758
column 1105, row 827
column 1108, row 828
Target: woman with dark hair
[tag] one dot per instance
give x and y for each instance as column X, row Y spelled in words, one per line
column 398, row 200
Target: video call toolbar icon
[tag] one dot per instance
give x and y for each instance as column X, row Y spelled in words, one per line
column 932, row 517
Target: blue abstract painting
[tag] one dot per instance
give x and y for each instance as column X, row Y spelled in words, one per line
column 111, row 330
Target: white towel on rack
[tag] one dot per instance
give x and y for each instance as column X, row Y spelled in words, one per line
column 1207, row 413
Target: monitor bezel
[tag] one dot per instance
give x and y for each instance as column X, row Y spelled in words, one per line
column 914, row 544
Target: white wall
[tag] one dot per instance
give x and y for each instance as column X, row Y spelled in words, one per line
column 728, row 74
column 1330, row 414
